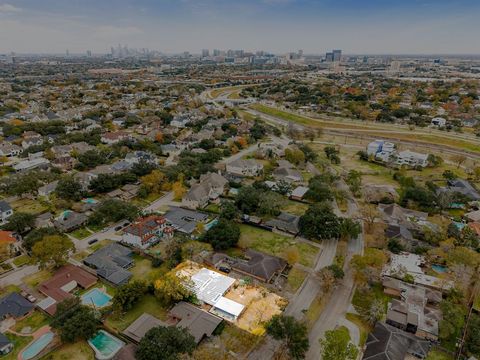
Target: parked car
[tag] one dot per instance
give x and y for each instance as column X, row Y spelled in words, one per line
column 93, row 241
column 29, row 297
column 224, row 269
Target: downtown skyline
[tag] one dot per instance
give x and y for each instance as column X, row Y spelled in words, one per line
column 278, row 26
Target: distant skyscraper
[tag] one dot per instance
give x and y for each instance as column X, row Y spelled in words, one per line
column 329, row 57
column 216, row 52
column 67, row 52
column 205, row 53
column 300, row 53
column 89, row 53
column 337, row 55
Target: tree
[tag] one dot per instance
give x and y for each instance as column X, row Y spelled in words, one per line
column 270, row 202
column 354, row 181
column 143, row 168
column 292, row 255
column 20, row 222
column 449, row 175
column 368, row 266
column 224, row 235
column 127, row 295
column 332, row 154
column 74, row 321
column 52, row 250
column 453, row 319
column 294, row 155
column 337, row 271
column 69, row 189
column 369, row 215
column 178, row 190
column 165, row 343
column 319, row 189
column 36, row 235
column 155, row 182
column 337, row 346
column 473, row 335
column 171, row 289
column 113, row 210
column 320, row 222
column 395, row 246
column 228, row 210
column 459, row 159
column 292, row 333
column 349, row 229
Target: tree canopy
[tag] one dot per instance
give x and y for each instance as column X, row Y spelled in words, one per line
column 165, row 343
column 292, row 333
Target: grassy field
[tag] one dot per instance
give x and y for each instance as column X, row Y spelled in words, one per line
column 436, row 354
column 9, row 289
column 143, row 270
column 275, row 244
column 81, row 233
column 22, row 260
column 295, row 207
column 315, row 309
column 28, row 206
column 76, row 351
column 19, row 342
column 148, row 304
column 377, row 130
column 35, row 279
column 362, row 326
column 296, row 278
column 34, row 321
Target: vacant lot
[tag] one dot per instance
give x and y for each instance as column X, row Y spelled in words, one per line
column 28, row 206
column 76, row 351
column 275, row 244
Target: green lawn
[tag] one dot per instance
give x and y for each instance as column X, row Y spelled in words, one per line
column 436, row 354
column 76, row 351
column 9, row 289
column 22, row 260
column 296, row 278
column 19, row 342
column 148, row 304
column 275, row 244
column 81, row 233
column 28, row 206
column 35, row 279
column 237, row 340
column 215, row 208
column 34, row 321
column 295, row 207
column 143, row 269
column 362, row 326
column 100, row 244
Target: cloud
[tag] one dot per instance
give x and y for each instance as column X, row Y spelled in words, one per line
column 9, row 8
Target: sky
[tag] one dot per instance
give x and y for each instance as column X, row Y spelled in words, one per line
column 279, row 26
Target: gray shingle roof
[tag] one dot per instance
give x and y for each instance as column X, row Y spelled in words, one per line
column 14, row 305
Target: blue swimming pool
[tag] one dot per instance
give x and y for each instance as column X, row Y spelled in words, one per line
column 37, row 346
column 105, row 345
column 439, row 268
column 96, row 297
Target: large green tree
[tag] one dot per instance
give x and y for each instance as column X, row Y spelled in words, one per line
column 165, row 343
column 20, row 222
column 224, row 235
column 74, row 321
column 319, row 222
column 127, row 295
column 292, row 333
column 69, row 189
column 337, row 346
column 52, row 250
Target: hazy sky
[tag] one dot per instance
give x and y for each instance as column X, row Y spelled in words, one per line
column 356, row 26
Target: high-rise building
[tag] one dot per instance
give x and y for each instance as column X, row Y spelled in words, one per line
column 205, row 53
column 300, row 53
column 216, row 52
column 89, row 53
column 67, row 53
column 329, row 57
column 337, row 55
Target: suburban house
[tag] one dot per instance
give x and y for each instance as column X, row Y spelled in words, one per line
column 209, row 287
column 5, row 345
column 395, row 214
column 198, row 322
column 5, row 212
column 47, row 189
column 415, row 309
column 10, row 150
column 111, row 138
column 381, row 150
column 146, row 231
column 31, row 138
column 248, row 168
column 209, row 189
column 288, row 174
column 184, row 220
column 387, row 342
column 411, row 158
column 463, row 187
column 299, row 193
column 69, row 221
column 258, row 265
column 285, row 222
column 439, row 122
column 15, row 306
column 30, row 164
column 61, row 285
column 135, row 157
column 111, row 263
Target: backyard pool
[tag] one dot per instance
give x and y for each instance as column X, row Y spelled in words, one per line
column 34, row 348
column 96, row 297
column 439, row 268
column 105, row 345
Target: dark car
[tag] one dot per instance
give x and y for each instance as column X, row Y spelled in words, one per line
column 118, row 228
column 93, row 241
column 224, row 269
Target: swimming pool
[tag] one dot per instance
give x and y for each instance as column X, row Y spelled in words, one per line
column 96, row 297
column 37, row 346
column 105, row 345
column 439, row 268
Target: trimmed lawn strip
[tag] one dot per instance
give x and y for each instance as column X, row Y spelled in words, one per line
column 35, row 279
column 275, row 244
column 35, row 321
column 81, row 233
column 76, row 351
column 362, row 326
column 22, row 260
column 296, row 278
column 148, row 304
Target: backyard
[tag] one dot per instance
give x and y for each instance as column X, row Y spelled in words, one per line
column 77, row 351
column 28, row 206
column 275, row 244
column 31, row 323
